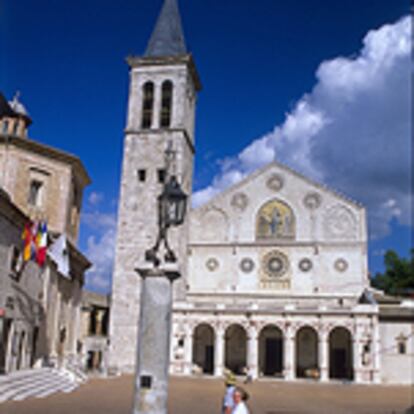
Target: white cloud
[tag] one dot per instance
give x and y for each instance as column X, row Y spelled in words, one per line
column 100, row 249
column 95, row 198
column 98, row 220
column 352, row 131
column 220, row 183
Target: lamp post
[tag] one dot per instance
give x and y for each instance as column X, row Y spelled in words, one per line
column 154, row 328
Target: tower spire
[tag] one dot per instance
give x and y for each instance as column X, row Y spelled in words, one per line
column 167, row 39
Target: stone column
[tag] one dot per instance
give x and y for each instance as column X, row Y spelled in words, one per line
column 156, row 113
column 188, row 353
column 219, row 352
column 357, row 355
column 377, row 352
column 153, row 347
column 77, row 304
column 55, row 325
column 252, row 352
column 289, row 354
column 324, row 355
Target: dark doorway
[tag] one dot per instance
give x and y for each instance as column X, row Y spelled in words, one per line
column 203, row 348
column 340, row 354
column 34, row 346
column 271, row 351
column 273, row 356
column 236, row 349
column 4, row 341
column 306, row 352
column 339, row 363
column 209, row 360
column 89, row 361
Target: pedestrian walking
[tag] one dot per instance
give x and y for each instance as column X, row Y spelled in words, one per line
column 239, row 398
column 249, row 375
column 228, row 401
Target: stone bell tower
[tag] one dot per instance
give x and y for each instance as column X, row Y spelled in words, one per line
column 161, row 112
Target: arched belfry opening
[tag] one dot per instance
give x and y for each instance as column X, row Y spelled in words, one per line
column 236, row 349
column 271, row 351
column 340, row 354
column 275, row 220
column 307, row 365
column 203, row 348
column 147, row 105
column 166, row 104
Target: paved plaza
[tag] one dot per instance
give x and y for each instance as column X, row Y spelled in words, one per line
column 203, row 396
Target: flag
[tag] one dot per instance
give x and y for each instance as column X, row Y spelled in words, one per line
column 41, row 243
column 27, row 240
column 35, row 242
column 59, row 253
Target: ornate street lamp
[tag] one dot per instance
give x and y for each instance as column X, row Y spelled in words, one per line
column 172, row 204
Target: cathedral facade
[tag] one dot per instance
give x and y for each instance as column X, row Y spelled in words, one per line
column 274, row 269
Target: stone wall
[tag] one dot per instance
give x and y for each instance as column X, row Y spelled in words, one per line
column 397, row 367
column 21, row 290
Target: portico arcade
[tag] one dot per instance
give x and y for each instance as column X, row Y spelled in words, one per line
column 288, row 346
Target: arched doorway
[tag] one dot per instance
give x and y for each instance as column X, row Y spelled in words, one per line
column 236, row 339
column 307, row 353
column 203, row 348
column 21, row 353
column 271, row 351
column 340, row 354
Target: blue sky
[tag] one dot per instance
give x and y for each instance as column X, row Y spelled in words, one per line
column 301, row 80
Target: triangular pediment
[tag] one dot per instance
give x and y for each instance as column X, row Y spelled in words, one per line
column 275, row 189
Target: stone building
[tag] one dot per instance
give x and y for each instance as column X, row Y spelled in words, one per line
column 94, row 337
column 274, row 270
column 39, row 306
column 43, row 181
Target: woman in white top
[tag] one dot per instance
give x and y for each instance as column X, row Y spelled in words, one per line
column 239, row 406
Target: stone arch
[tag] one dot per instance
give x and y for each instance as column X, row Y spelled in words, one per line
column 236, row 348
column 203, row 347
column 271, row 351
column 275, row 220
column 340, row 354
column 214, row 225
column 307, row 361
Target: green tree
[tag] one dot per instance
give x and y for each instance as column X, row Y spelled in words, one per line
column 398, row 278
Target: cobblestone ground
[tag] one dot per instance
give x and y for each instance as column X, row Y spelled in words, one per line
column 203, row 396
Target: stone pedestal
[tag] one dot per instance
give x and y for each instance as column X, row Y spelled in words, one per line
column 153, row 346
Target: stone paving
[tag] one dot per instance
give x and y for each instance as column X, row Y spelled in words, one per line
column 203, row 396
